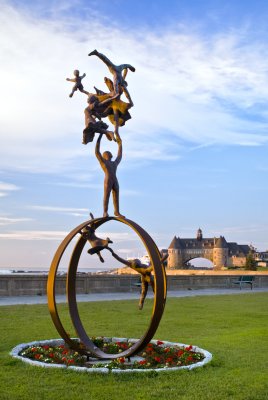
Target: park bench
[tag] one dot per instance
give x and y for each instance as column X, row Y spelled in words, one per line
column 136, row 284
column 247, row 279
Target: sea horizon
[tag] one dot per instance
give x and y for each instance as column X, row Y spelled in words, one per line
column 38, row 271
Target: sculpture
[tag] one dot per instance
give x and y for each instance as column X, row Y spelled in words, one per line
column 110, row 181
column 106, row 105
column 97, row 244
column 144, row 270
column 116, row 71
column 93, row 126
column 78, row 83
column 102, row 105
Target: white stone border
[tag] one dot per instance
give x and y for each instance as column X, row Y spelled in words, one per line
column 57, row 342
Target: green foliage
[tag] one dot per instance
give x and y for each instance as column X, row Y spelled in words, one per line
column 236, row 335
column 251, row 263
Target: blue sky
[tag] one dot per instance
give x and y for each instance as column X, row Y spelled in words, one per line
column 195, row 150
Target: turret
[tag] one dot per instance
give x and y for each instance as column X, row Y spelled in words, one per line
column 199, row 235
column 220, row 253
column 175, row 253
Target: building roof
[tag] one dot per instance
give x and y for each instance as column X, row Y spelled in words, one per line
column 209, row 243
column 221, row 243
column 173, row 243
column 176, row 243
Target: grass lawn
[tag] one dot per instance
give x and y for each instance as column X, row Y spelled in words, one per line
column 234, row 328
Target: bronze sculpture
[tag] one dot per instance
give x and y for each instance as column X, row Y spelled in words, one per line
column 109, row 168
column 144, row 270
column 92, row 126
column 97, row 244
column 78, row 83
column 110, row 105
column 119, row 73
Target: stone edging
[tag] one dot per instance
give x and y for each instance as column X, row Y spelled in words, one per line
column 56, row 342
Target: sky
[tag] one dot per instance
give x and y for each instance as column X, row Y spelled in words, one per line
column 194, row 151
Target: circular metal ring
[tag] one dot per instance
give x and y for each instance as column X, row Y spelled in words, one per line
column 159, row 295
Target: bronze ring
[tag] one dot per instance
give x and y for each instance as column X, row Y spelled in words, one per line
column 159, row 295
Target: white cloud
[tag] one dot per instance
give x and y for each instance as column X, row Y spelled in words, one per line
column 8, row 186
column 186, row 88
column 5, row 188
column 8, row 220
column 30, row 235
column 73, row 212
column 34, row 235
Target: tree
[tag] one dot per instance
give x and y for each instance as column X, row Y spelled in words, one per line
column 251, row 263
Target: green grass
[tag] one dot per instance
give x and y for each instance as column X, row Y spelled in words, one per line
column 233, row 327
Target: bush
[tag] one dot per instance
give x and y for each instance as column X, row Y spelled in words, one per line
column 251, row 263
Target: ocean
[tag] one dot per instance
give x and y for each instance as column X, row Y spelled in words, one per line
column 38, row 271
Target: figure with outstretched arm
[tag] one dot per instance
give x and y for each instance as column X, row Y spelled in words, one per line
column 78, row 83
column 119, row 73
column 97, row 244
column 110, row 180
column 144, row 270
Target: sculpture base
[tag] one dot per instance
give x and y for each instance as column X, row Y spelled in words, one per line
column 159, row 356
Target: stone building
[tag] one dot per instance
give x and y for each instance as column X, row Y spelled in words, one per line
column 217, row 250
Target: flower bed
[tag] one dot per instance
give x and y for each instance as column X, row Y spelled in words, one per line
column 158, row 355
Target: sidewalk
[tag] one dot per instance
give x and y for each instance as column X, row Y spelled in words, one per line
column 7, row 301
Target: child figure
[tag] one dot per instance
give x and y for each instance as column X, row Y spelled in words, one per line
column 78, row 83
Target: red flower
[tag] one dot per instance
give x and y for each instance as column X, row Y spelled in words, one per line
column 51, row 355
column 149, row 349
column 167, row 349
column 157, row 359
column 180, row 353
column 159, row 343
column 61, row 346
column 34, row 349
column 45, row 347
column 121, row 360
column 189, row 358
column 70, row 361
column 169, row 360
column 189, row 348
column 142, row 362
column 65, row 351
column 37, row 356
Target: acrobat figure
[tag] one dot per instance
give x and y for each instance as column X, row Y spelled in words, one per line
column 92, row 111
column 78, row 83
column 119, row 73
column 110, row 180
column 144, row 270
column 102, row 105
column 97, row 244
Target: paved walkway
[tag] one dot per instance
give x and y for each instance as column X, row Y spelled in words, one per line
column 12, row 300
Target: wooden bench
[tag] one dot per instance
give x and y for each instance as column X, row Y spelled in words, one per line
column 248, row 279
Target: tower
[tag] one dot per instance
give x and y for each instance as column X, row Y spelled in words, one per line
column 199, row 235
column 175, row 258
column 220, row 253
